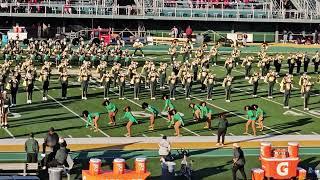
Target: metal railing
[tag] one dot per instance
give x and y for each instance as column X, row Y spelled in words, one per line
column 265, row 14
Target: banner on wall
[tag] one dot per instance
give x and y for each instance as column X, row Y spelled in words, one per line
column 240, row 37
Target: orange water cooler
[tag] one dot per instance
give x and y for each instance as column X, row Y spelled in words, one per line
column 119, row 166
column 257, row 174
column 140, row 165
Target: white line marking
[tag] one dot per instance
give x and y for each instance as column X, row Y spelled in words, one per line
column 297, row 133
column 73, row 112
column 9, row 133
column 214, row 134
column 161, row 135
column 69, row 136
column 89, row 136
column 144, row 135
column 159, row 115
column 231, row 134
column 94, row 89
column 314, row 133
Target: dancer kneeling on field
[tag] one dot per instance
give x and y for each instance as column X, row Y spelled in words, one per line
column 260, row 114
column 131, row 119
column 206, row 114
column 196, row 111
column 112, row 111
column 92, row 119
column 154, row 114
column 177, row 121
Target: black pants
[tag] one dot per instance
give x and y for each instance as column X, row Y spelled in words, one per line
column 235, row 168
column 255, row 88
column 316, row 67
column 305, row 67
column 135, row 51
column 106, row 90
column 298, row 67
column 209, row 91
column 172, row 89
column 291, row 67
column 121, row 90
column 32, row 157
column 286, row 98
column 153, row 87
column 221, row 134
column 45, row 88
column 188, row 89
column 162, row 80
column 278, row 68
column 64, row 89
column 30, row 91
column 136, row 90
column 85, row 85
column 270, row 88
column 14, row 92
column 306, row 96
column 247, row 71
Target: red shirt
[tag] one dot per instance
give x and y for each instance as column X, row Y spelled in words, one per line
column 188, row 31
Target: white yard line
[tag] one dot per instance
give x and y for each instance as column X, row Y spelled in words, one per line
column 231, row 134
column 214, row 134
column 144, row 135
column 314, row 133
column 105, row 134
column 297, row 133
column 161, row 135
column 89, row 136
column 69, row 136
column 9, row 133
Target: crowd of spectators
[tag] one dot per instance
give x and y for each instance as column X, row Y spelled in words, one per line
column 213, row 3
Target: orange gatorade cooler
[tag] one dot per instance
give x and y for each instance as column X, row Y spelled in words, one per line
column 257, row 174
column 95, row 166
column 140, row 165
column 302, row 173
column 118, row 166
column 265, row 149
column 293, row 148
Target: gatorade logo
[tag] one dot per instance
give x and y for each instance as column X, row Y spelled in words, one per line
column 282, row 168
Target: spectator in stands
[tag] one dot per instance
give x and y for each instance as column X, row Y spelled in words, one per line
column 189, row 32
column 174, row 32
column 238, row 162
column 61, row 156
column 31, row 147
column 164, row 147
column 50, row 145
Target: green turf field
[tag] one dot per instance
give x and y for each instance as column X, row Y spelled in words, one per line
column 63, row 115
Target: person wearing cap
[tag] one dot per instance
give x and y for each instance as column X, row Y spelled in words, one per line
column 51, row 145
column 238, row 162
column 31, row 147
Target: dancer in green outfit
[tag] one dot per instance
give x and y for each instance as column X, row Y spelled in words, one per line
column 177, row 121
column 112, row 111
column 251, row 120
column 196, row 111
column 206, row 114
column 154, row 114
column 92, row 119
column 260, row 114
column 168, row 106
column 131, row 119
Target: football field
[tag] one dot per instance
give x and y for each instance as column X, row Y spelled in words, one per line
column 65, row 115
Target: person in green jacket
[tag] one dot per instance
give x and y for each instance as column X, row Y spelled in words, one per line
column 31, row 147
column 177, row 121
column 196, row 111
column 206, row 114
column 154, row 114
column 92, row 118
column 131, row 119
column 259, row 115
column 251, row 116
column 168, row 106
column 112, row 111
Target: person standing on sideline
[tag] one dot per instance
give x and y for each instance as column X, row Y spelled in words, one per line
column 31, row 147
column 189, row 32
column 222, row 128
column 50, row 146
column 164, row 147
column 238, row 162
